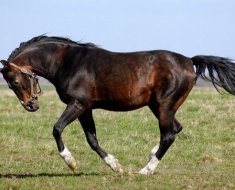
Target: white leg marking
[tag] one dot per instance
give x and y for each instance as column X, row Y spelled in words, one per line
column 112, row 162
column 150, row 167
column 153, row 151
column 68, row 158
column 152, row 164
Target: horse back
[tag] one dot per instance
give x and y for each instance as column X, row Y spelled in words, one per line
column 125, row 81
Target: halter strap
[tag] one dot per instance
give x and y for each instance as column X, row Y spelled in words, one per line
column 23, row 70
column 32, row 77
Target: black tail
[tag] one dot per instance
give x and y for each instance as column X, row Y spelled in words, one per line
column 221, row 71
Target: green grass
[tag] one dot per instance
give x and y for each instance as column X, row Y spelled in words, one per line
column 202, row 157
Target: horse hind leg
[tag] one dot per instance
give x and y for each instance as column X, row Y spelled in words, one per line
column 167, row 138
column 177, row 127
column 169, row 127
column 88, row 126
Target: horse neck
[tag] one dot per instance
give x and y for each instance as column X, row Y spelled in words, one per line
column 41, row 65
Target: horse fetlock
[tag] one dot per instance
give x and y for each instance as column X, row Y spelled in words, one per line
column 113, row 163
column 69, row 159
column 153, row 152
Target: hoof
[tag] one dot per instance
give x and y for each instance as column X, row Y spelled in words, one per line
column 120, row 171
column 72, row 165
column 71, row 162
column 131, row 174
column 145, row 172
column 69, row 159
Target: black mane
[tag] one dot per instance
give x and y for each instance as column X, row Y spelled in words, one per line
column 43, row 38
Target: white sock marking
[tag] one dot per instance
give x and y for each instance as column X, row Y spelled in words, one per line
column 150, row 167
column 152, row 164
column 153, row 151
column 112, row 162
column 68, row 158
column 65, row 152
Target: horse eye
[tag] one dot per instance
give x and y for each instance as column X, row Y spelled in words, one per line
column 15, row 83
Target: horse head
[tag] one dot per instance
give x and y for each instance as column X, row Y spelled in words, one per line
column 23, row 82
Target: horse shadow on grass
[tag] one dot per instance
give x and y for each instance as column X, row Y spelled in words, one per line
column 25, row 176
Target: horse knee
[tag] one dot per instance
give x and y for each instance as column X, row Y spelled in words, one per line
column 56, row 131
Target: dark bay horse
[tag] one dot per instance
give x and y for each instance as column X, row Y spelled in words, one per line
column 87, row 77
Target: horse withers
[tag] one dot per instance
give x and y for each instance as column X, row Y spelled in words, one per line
column 87, row 77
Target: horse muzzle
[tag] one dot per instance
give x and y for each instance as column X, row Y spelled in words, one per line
column 31, row 105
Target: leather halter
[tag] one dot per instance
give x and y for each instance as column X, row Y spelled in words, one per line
column 32, row 78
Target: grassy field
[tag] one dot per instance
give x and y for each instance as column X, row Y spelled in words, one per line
column 202, row 157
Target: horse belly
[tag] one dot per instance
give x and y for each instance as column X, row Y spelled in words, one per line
column 124, row 102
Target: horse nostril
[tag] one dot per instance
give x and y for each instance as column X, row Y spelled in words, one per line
column 31, row 107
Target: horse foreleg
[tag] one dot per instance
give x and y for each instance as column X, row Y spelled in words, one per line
column 71, row 112
column 88, row 125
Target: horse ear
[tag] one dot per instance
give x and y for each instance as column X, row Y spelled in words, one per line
column 5, row 63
